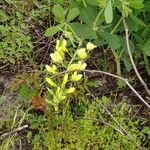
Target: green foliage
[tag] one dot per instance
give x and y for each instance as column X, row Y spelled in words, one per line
column 15, row 44
column 94, row 129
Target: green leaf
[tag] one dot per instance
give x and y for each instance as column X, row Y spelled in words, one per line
column 73, row 13
column 108, row 13
column 83, row 31
column 52, row 30
column 127, row 64
column 137, row 4
column 112, row 40
column 93, row 2
column 88, row 15
column 146, row 47
column 137, row 20
column 59, row 12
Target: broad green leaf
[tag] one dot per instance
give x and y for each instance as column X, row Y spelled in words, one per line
column 59, row 12
column 83, row 31
column 112, row 40
column 146, row 47
column 88, row 15
column 73, row 13
column 52, row 30
column 137, row 20
column 108, row 13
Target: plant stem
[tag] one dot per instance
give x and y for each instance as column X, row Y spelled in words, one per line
column 117, row 60
column 84, row 2
column 96, row 20
column 79, row 40
column 116, row 26
column 131, row 58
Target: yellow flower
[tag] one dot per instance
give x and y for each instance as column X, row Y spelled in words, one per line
column 82, row 53
column 82, row 66
column 90, row 46
column 51, row 69
column 70, row 90
column 76, row 77
column 56, row 57
column 73, row 67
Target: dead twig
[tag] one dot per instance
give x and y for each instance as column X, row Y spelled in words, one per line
column 5, row 135
column 124, row 80
column 131, row 58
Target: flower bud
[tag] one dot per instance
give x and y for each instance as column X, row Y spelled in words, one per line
column 56, row 57
column 76, row 77
column 90, row 46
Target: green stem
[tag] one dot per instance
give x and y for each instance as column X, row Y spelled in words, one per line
column 96, row 20
column 116, row 26
column 84, row 2
column 79, row 40
column 117, row 60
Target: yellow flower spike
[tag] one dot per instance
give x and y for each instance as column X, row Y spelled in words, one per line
column 76, row 77
column 51, row 82
column 51, row 69
column 90, row 46
column 82, row 53
column 65, row 79
column 70, row 90
column 56, row 57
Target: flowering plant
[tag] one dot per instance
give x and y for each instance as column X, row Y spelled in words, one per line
column 61, row 84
